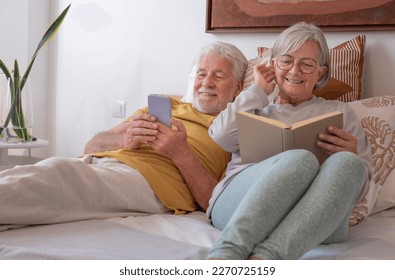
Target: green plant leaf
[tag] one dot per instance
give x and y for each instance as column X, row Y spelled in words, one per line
column 53, row 28
column 15, row 115
column 16, row 110
column 8, row 75
column 17, row 83
column 15, row 86
column 5, row 70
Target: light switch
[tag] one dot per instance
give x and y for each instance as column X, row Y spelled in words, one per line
column 118, row 109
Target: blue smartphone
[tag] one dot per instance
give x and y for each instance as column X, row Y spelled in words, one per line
column 160, row 107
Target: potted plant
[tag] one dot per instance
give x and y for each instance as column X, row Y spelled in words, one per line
column 16, row 84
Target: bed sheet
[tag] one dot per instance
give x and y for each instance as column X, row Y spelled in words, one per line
column 373, row 239
column 149, row 237
column 113, row 238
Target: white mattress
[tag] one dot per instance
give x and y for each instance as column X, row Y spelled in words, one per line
column 171, row 237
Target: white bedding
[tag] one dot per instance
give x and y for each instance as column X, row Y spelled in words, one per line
column 171, row 237
column 113, row 238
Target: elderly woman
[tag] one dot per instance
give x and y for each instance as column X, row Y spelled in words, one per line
column 283, row 206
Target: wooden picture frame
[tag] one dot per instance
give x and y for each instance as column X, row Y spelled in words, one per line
column 276, row 15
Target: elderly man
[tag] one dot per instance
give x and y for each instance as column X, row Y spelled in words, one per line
column 140, row 165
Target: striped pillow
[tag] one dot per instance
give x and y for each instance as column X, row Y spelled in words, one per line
column 347, row 66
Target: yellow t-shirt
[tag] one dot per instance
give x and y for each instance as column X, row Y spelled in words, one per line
column 162, row 174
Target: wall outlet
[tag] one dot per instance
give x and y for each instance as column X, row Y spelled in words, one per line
column 118, row 109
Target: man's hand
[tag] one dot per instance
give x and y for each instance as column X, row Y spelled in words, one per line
column 337, row 140
column 126, row 135
column 171, row 143
column 143, row 127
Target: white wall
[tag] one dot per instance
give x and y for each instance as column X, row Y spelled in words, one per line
column 111, row 50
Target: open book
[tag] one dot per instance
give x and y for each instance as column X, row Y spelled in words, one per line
column 261, row 137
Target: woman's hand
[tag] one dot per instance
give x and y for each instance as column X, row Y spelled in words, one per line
column 337, row 140
column 264, row 77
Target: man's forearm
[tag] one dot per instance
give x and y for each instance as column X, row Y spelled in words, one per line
column 103, row 141
column 200, row 182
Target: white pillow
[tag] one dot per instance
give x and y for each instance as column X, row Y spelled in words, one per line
column 188, row 96
column 377, row 115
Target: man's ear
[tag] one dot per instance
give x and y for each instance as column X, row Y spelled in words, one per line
column 239, row 87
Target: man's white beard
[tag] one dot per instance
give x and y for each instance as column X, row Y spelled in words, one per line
column 205, row 107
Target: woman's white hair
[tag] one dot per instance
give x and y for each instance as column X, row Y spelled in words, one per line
column 295, row 36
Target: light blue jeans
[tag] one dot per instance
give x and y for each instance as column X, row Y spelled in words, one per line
column 285, row 205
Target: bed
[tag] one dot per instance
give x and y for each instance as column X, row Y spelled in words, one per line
column 157, row 237
column 175, row 237
column 165, row 236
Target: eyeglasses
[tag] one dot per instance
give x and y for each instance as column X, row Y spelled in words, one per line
column 306, row 65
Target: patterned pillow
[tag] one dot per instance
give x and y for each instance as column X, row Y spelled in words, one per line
column 347, row 63
column 377, row 115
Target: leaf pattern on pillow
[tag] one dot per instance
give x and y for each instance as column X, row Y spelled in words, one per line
column 359, row 213
column 379, row 101
column 382, row 139
column 377, row 117
column 383, row 159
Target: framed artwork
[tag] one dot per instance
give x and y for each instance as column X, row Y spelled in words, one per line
column 275, row 15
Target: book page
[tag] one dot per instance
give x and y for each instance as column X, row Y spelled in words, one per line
column 306, row 136
column 258, row 139
column 266, row 119
column 315, row 119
